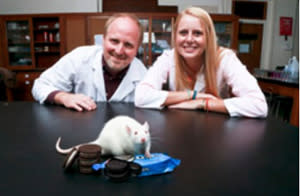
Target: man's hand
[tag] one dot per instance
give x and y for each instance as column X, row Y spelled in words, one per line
column 78, row 102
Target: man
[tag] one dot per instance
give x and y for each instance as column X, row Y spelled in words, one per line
column 93, row 73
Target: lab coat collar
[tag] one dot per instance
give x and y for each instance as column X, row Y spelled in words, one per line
column 128, row 83
column 98, row 79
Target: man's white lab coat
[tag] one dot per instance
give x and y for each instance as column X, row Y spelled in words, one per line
column 81, row 71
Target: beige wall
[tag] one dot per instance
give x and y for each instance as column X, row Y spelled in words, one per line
column 282, row 50
column 47, row 6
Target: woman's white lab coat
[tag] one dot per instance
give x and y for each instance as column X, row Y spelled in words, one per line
column 248, row 98
column 80, row 71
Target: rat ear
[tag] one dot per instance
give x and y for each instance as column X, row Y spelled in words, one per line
column 128, row 130
column 146, row 125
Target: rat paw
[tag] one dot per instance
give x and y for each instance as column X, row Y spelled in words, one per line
column 147, row 154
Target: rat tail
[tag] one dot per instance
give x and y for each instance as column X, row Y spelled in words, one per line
column 60, row 150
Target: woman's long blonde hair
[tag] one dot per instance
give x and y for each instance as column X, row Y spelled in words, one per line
column 185, row 77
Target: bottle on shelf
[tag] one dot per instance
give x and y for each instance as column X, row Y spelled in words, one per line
column 51, row 37
column 57, row 37
column 45, row 36
column 46, row 48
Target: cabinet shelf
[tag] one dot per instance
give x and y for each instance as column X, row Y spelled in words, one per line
column 18, row 43
column 46, row 43
column 20, row 52
column 46, row 53
column 46, row 29
column 17, row 30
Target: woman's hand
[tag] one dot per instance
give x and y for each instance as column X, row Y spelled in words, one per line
column 208, row 103
column 194, row 103
column 189, row 105
column 78, row 102
column 205, row 96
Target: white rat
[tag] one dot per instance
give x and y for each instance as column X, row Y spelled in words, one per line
column 121, row 135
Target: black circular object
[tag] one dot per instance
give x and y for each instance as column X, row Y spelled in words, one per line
column 117, row 177
column 117, row 166
column 135, row 168
column 120, row 170
column 70, row 158
column 90, row 149
column 117, row 170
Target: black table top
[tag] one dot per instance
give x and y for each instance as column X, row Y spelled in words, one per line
column 219, row 155
column 280, row 82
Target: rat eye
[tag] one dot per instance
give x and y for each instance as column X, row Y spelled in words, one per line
column 135, row 133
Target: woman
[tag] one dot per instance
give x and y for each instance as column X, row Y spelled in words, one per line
column 200, row 74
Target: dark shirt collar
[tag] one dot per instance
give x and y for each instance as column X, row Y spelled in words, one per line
column 119, row 75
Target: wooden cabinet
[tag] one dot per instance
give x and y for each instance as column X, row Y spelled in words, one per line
column 24, row 85
column 281, row 88
column 80, row 29
column 18, row 45
column 46, row 41
column 227, row 27
column 95, row 26
column 31, row 42
column 157, row 36
column 75, row 31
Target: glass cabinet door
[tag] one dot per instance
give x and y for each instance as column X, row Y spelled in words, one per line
column 227, row 27
column 224, row 33
column 143, row 51
column 46, row 39
column 161, row 37
column 18, row 43
column 157, row 38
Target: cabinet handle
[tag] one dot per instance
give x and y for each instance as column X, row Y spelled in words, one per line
column 269, row 90
column 27, row 82
column 26, row 75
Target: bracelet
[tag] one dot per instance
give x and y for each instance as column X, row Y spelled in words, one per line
column 194, row 94
column 202, row 104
